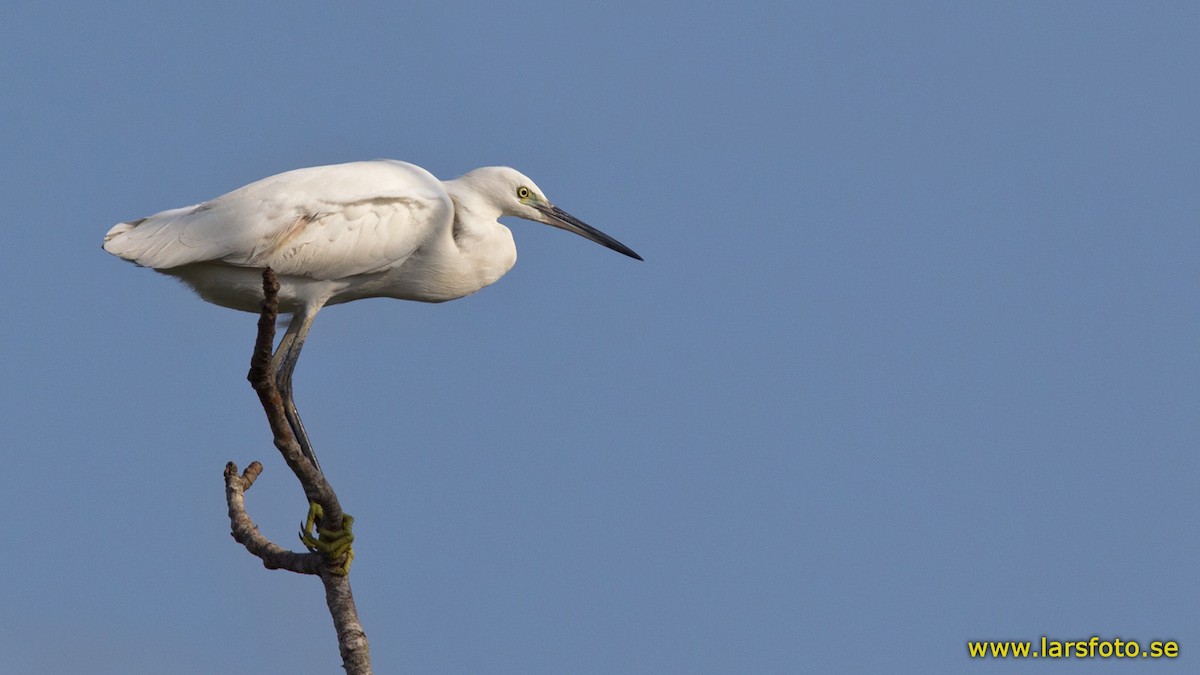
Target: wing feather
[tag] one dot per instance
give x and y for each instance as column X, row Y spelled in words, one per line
column 326, row 222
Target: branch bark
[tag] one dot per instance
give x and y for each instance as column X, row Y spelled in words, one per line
column 245, row 532
column 352, row 641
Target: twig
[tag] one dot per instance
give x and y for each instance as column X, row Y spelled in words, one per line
column 245, row 532
column 352, row 641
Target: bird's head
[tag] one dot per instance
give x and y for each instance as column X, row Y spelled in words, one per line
column 514, row 194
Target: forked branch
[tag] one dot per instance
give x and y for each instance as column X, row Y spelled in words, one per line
column 352, row 641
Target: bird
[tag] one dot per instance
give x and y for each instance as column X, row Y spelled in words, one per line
column 344, row 232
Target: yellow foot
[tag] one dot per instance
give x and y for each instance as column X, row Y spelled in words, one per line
column 335, row 545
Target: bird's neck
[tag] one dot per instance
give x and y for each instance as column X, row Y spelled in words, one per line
column 474, row 215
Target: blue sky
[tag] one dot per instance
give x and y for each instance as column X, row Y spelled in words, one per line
column 912, row 359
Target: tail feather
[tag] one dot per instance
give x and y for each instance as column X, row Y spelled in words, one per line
column 151, row 241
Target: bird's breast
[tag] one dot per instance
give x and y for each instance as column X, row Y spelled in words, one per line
column 438, row 273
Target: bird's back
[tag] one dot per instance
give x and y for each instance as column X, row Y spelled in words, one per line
column 322, row 223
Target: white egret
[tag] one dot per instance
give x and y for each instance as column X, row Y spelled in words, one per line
column 338, row 233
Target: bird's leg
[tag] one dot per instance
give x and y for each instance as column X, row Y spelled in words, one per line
column 335, row 545
column 284, row 363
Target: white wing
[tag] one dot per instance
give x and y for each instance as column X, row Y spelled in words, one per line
column 325, row 222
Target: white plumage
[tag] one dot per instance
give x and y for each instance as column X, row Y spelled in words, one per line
column 338, row 233
column 364, row 229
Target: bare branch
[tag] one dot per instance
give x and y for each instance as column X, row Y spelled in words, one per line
column 245, row 532
column 352, row 641
column 316, row 488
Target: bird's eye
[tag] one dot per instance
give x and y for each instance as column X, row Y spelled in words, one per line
column 523, row 192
